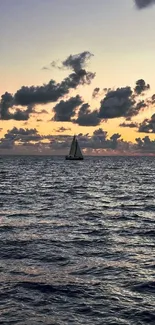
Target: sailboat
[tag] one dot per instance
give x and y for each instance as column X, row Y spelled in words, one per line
column 75, row 151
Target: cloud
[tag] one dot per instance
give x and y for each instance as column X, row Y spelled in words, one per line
column 45, row 68
column 65, row 110
column 117, row 103
column 122, row 102
column 16, row 138
column 23, row 135
column 141, row 86
column 95, row 92
column 62, row 129
column 52, row 91
column 15, row 135
column 86, row 117
column 141, row 4
column 97, row 141
column 146, row 145
column 78, row 61
column 33, row 95
column 21, row 115
column 47, row 93
column 82, row 77
column 148, row 126
column 7, row 102
column 129, row 125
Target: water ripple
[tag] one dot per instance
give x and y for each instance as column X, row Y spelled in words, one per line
column 77, row 241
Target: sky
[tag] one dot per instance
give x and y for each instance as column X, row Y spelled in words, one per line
column 77, row 67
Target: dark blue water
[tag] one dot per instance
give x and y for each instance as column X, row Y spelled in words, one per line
column 77, row 241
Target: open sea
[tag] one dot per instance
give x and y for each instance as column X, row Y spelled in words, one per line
column 77, row 241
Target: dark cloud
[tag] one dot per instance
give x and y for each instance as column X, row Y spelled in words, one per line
column 21, row 115
column 144, row 3
column 100, row 136
column 148, row 126
column 117, row 103
column 97, row 141
column 6, row 144
column 30, row 96
column 14, row 136
column 62, row 129
column 86, row 117
column 141, row 86
column 129, row 125
column 100, row 133
column 22, row 135
column 16, row 139
column 52, row 91
column 82, row 77
column 122, row 102
column 78, row 61
column 47, row 93
column 95, row 92
column 7, row 103
column 145, row 145
column 114, row 140
column 65, row 110
column 75, row 62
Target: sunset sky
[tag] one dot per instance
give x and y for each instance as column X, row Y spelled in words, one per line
column 87, row 68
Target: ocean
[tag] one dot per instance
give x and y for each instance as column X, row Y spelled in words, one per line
column 77, row 241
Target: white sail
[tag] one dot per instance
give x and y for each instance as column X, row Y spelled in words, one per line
column 78, row 152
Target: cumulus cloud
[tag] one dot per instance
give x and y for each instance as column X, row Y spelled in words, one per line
column 129, row 125
column 16, row 136
column 86, row 117
column 65, row 110
column 117, row 103
column 147, row 126
column 23, row 135
column 141, row 4
column 99, row 140
column 123, row 102
column 52, row 91
column 141, row 86
column 47, row 93
column 7, row 104
column 146, row 145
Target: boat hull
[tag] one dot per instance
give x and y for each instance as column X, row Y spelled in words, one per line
column 73, row 158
